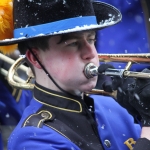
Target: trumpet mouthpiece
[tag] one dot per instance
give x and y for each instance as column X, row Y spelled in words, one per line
column 90, row 70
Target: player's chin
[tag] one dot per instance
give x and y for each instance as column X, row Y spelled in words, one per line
column 89, row 86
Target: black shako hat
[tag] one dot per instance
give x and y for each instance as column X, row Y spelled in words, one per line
column 38, row 18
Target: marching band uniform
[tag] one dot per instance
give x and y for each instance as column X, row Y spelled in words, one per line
column 49, row 117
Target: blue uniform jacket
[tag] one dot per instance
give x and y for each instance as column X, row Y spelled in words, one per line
column 11, row 107
column 115, row 125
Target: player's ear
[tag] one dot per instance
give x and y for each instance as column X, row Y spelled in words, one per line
column 32, row 59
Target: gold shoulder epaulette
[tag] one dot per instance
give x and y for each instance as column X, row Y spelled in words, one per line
column 38, row 119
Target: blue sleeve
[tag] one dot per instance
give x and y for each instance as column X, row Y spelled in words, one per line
column 25, row 99
column 1, row 142
column 11, row 109
column 33, row 138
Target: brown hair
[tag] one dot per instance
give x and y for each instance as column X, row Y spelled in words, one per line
column 38, row 43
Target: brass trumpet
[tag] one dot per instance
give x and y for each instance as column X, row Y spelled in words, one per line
column 11, row 61
column 129, row 58
column 91, row 70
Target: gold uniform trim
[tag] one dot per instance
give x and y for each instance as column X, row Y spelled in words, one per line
column 61, row 97
column 57, row 131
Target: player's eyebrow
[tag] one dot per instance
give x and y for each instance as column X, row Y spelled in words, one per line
column 75, row 36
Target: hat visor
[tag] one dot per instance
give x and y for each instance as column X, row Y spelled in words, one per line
column 106, row 15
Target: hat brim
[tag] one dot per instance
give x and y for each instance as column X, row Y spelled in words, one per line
column 106, row 16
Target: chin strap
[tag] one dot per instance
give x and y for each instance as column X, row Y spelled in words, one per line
column 48, row 73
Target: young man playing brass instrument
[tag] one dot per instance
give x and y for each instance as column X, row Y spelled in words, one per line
column 58, row 38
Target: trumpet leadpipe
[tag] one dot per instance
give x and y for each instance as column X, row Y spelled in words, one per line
column 91, row 71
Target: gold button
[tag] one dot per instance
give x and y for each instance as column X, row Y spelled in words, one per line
column 45, row 115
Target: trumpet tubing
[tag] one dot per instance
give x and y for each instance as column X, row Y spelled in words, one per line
column 11, row 73
column 134, row 58
column 102, row 92
column 16, row 78
column 11, row 61
column 18, row 81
